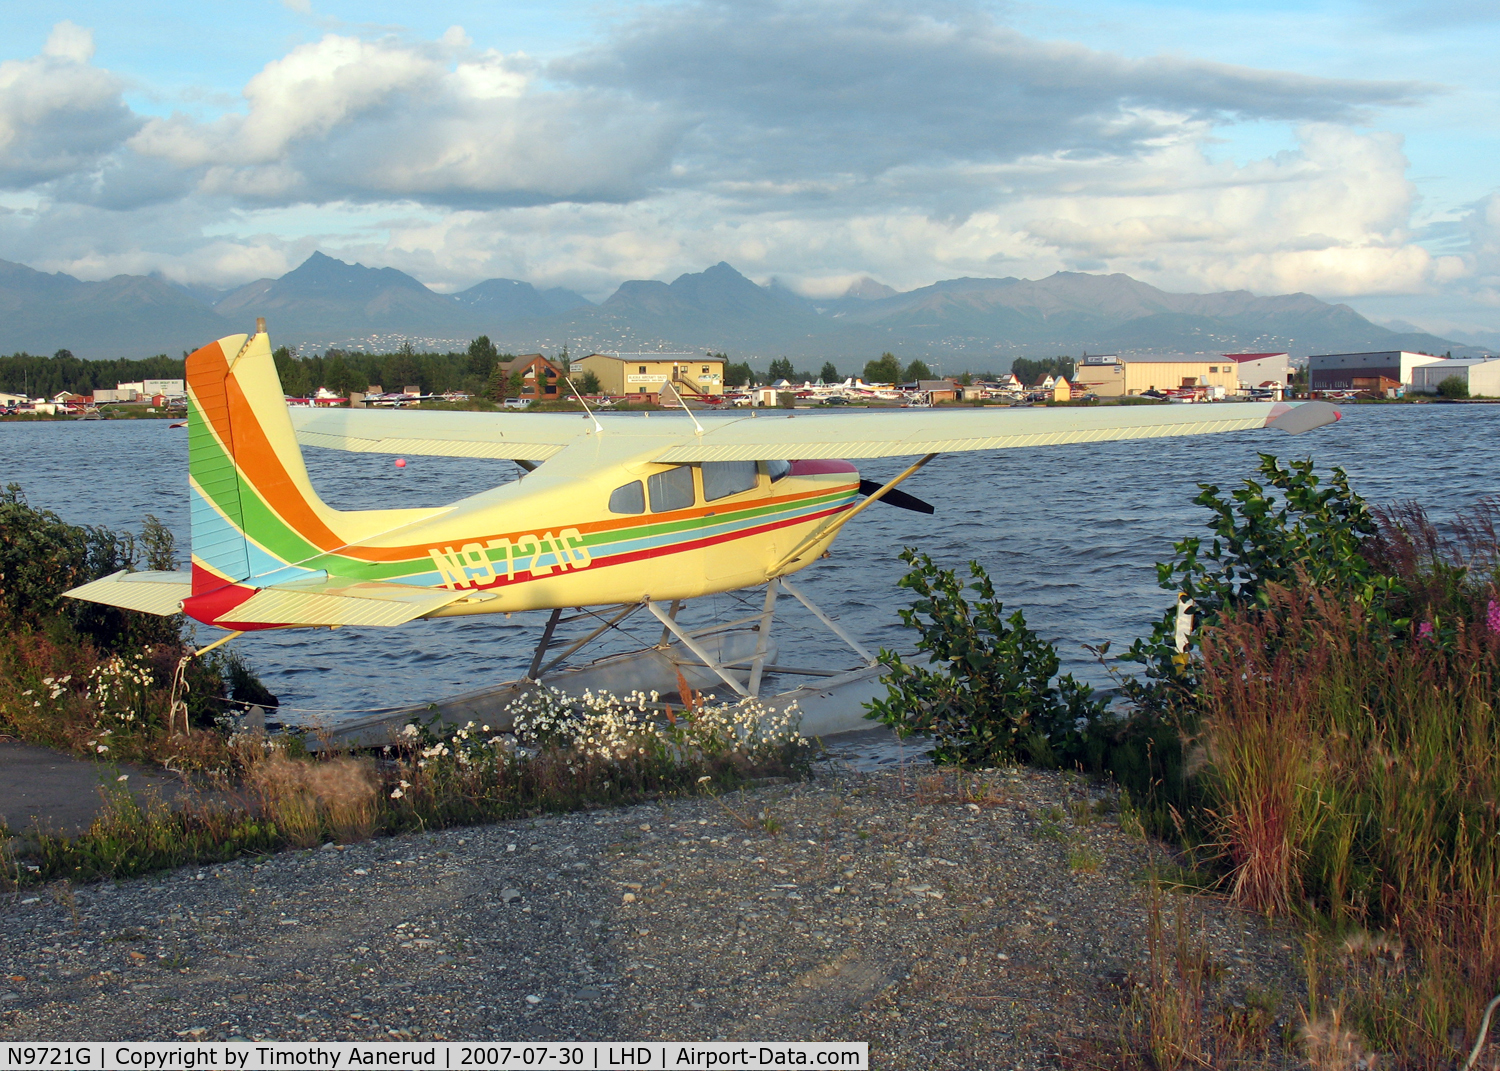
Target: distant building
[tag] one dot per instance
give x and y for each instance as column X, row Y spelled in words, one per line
column 939, row 390
column 169, row 387
column 1338, row 371
column 540, row 378
column 1482, row 377
column 1113, row 376
column 643, row 376
column 1262, row 369
column 10, row 401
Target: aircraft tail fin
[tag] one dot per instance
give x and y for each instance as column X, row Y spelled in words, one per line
column 254, row 511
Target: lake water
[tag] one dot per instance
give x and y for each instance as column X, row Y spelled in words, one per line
column 1069, row 534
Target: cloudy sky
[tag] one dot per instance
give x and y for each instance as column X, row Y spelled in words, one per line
column 1347, row 148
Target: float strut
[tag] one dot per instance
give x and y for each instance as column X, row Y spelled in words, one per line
column 697, row 648
column 541, row 648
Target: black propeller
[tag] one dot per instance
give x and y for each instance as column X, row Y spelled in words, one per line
column 895, row 497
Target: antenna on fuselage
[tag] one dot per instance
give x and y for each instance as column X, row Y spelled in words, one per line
column 683, row 401
column 597, row 426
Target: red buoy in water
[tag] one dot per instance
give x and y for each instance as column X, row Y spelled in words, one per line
column 401, row 462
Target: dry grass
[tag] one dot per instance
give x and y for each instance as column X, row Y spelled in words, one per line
column 1330, row 1045
column 310, row 801
column 65, row 693
column 1171, row 1011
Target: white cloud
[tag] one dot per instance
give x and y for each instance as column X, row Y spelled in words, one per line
column 71, row 42
column 815, row 142
column 390, row 119
column 58, row 115
column 847, row 92
column 1331, row 218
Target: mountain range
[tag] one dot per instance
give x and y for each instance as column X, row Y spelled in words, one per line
column 975, row 323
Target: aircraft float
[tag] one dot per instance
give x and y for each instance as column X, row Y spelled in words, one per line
column 611, row 517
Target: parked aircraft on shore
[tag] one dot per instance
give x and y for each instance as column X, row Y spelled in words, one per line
column 638, row 509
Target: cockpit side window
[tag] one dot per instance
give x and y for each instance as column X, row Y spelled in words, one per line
column 672, row 489
column 628, row 498
column 724, row 478
column 779, row 470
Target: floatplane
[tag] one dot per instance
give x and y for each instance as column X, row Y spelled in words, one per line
column 610, row 518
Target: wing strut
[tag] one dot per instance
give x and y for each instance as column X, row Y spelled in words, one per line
column 833, row 524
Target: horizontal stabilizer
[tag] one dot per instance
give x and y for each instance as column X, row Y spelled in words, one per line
column 149, row 592
column 329, row 602
column 339, row 602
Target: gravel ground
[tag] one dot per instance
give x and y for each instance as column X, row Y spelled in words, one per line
column 1002, row 927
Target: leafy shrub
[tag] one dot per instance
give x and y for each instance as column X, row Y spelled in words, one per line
column 1292, row 528
column 1454, row 387
column 987, row 695
column 117, row 668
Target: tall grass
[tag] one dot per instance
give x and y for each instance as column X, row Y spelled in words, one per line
column 1354, row 775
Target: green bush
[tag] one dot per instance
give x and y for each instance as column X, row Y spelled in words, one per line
column 987, row 695
column 44, row 635
column 1454, row 387
column 1291, row 528
column 42, row 556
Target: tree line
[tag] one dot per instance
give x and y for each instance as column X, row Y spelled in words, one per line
column 887, row 368
column 39, row 376
column 478, row 371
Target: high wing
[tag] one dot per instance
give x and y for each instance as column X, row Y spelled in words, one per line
column 510, row 436
column 897, row 433
column 798, row 436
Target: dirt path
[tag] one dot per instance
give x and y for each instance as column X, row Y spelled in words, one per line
column 62, row 793
column 947, row 932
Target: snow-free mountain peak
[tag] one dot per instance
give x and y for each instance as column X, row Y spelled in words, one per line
column 968, row 322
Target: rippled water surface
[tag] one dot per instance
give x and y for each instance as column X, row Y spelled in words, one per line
column 1070, row 534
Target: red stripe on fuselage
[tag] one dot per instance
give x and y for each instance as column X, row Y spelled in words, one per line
column 216, row 597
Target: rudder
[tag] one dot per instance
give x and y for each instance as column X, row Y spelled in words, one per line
column 219, row 547
column 254, row 512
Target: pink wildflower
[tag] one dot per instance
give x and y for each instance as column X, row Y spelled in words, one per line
column 1424, row 630
column 1492, row 617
